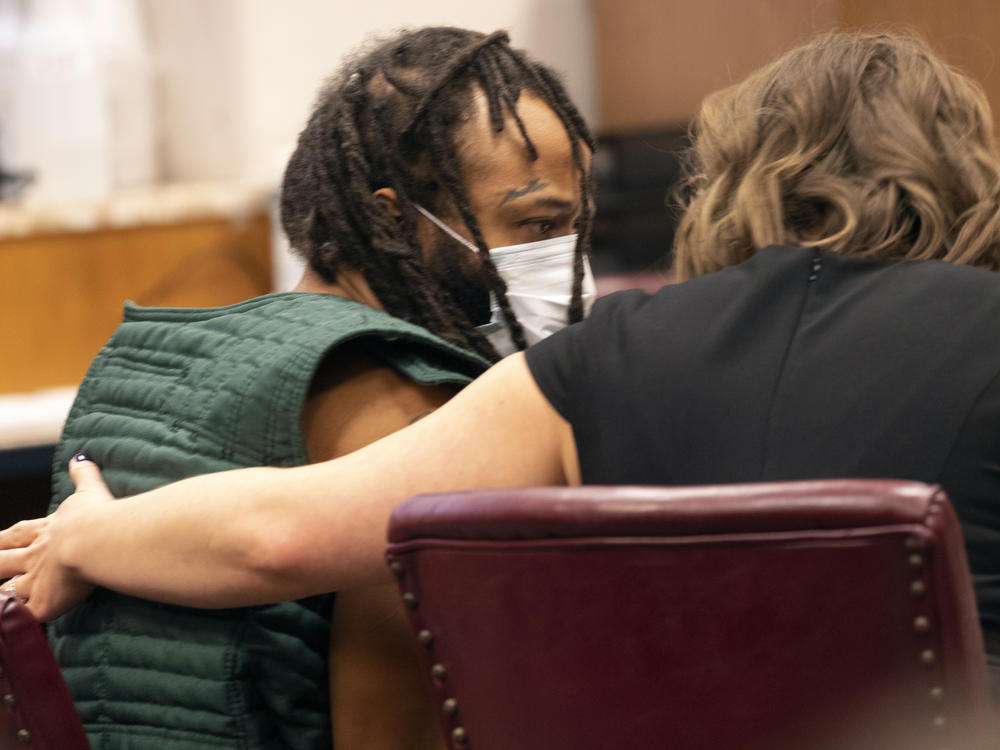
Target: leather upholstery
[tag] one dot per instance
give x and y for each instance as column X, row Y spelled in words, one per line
column 36, row 710
column 826, row 614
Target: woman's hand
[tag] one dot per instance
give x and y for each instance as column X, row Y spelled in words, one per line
column 30, row 550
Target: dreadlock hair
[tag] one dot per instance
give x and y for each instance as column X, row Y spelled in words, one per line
column 389, row 119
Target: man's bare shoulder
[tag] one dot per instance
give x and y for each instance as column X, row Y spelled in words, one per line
column 356, row 398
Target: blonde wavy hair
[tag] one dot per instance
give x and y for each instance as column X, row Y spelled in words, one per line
column 862, row 144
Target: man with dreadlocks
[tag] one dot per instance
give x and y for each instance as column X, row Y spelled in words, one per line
column 440, row 195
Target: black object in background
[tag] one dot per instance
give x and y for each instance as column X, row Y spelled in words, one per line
column 636, row 214
column 25, row 486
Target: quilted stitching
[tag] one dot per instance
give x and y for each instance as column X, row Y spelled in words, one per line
column 181, row 392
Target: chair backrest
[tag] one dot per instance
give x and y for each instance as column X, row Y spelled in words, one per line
column 36, row 709
column 827, row 614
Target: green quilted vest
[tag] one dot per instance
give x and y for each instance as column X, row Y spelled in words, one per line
column 179, row 392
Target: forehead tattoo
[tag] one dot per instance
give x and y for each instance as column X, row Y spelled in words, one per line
column 532, row 187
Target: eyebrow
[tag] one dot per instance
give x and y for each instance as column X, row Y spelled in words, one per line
column 548, row 201
column 532, row 187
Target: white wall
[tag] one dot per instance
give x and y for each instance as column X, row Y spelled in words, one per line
column 239, row 76
column 196, row 46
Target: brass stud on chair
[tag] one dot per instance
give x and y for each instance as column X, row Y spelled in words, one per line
column 450, row 706
column 936, row 693
column 918, row 588
column 425, row 637
column 928, row 657
column 459, row 736
column 9, row 699
column 397, row 568
column 915, row 542
column 922, row 624
column 940, row 722
column 916, row 561
column 410, row 600
column 23, row 736
column 438, row 672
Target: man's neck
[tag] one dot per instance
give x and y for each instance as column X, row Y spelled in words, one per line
column 348, row 283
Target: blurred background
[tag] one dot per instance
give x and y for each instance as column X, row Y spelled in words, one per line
column 142, row 143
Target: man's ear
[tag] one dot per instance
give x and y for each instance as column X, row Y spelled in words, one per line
column 388, row 198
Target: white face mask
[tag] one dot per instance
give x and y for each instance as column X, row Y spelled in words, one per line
column 539, row 278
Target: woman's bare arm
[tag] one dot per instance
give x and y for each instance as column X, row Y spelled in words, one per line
column 264, row 534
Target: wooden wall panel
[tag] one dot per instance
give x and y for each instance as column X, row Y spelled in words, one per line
column 965, row 32
column 657, row 59
column 61, row 295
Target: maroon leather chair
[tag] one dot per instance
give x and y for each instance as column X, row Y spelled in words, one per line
column 37, row 711
column 826, row 614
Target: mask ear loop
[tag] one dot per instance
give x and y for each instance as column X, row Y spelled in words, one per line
column 445, row 228
column 494, row 307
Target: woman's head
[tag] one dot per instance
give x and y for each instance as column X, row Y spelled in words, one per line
column 858, row 143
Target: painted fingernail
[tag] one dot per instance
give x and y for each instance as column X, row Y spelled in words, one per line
column 82, row 457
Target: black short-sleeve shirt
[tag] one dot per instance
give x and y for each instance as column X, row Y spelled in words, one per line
column 797, row 364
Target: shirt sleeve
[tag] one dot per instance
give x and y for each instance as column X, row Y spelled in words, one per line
column 551, row 362
column 571, row 363
column 588, row 372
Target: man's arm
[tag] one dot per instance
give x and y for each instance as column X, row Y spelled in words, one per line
column 265, row 534
column 378, row 694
